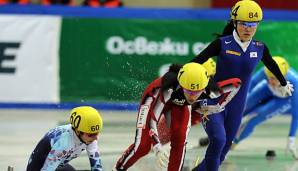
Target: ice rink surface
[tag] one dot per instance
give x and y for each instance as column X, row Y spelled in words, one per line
column 22, row 129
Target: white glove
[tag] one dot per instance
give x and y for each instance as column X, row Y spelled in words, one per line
column 214, row 95
column 287, row 89
column 162, row 156
column 291, row 147
column 210, row 109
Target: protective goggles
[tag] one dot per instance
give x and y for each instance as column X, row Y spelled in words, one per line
column 91, row 134
column 248, row 24
column 192, row 93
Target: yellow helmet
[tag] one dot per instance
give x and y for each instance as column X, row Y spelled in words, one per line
column 86, row 119
column 210, row 66
column 193, row 76
column 246, row 10
column 283, row 65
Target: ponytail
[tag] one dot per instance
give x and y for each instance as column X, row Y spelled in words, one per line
column 228, row 30
column 170, row 78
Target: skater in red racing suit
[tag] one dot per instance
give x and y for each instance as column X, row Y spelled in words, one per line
column 173, row 94
column 227, row 90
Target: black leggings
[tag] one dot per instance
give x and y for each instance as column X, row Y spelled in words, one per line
column 39, row 155
column 66, row 167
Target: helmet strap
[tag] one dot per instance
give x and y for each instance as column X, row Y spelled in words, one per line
column 235, row 27
column 79, row 134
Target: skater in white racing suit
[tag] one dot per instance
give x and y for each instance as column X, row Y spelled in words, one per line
column 66, row 142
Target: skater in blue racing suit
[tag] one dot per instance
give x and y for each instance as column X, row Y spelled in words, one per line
column 264, row 102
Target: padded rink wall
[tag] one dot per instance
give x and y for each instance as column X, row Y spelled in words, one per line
column 60, row 57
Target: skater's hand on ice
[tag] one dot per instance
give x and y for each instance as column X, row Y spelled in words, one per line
column 210, row 109
column 291, row 148
column 162, row 156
